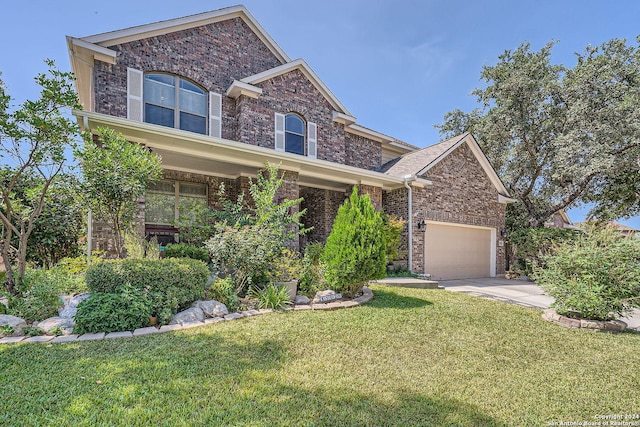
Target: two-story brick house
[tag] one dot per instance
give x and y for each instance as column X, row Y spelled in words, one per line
column 217, row 98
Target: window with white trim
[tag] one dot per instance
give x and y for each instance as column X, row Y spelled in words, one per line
column 293, row 135
column 174, row 102
column 168, row 201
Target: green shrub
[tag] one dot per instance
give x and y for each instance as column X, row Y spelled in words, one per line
column 400, row 271
column 272, row 296
column 286, row 267
column 171, row 284
column 222, row 290
column 393, row 227
column 244, row 252
column 532, row 245
column 126, row 310
column 78, row 265
column 355, row 251
column 310, row 280
column 182, row 250
column 595, row 277
column 40, row 290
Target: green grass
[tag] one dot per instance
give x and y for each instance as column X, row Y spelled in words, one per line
column 410, row 357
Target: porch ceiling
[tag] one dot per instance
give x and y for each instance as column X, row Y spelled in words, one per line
column 191, row 152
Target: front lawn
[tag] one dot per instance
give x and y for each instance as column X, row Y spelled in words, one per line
column 410, row 357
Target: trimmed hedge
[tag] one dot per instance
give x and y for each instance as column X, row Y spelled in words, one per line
column 171, row 284
column 182, row 250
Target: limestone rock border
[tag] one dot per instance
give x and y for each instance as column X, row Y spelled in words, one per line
column 593, row 325
column 367, row 295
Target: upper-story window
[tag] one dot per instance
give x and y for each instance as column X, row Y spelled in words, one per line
column 294, row 134
column 174, row 102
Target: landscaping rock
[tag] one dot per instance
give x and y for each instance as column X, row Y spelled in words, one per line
column 301, row 299
column 15, row 322
column 320, row 294
column 193, row 314
column 77, row 299
column 70, row 304
column 212, row 308
column 67, row 312
column 65, row 323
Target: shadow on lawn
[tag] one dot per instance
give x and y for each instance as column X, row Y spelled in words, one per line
column 204, row 379
column 386, row 298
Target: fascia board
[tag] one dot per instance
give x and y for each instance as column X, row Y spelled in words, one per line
column 299, row 64
column 368, row 133
column 172, row 25
column 239, row 88
column 100, row 53
column 482, row 159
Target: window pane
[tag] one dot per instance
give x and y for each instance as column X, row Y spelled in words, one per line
column 294, row 143
column 193, row 189
column 193, row 102
column 162, row 187
column 294, row 124
column 188, row 86
column 158, row 115
column 166, row 79
column 193, row 123
column 160, row 92
column 159, row 208
column 190, row 207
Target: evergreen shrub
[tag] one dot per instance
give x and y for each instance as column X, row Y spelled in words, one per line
column 355, row 251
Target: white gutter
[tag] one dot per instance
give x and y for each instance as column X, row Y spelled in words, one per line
column 410, row 220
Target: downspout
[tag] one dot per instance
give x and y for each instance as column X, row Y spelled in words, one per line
column 410, row 220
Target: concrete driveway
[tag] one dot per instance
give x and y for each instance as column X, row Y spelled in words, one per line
column 526, row 294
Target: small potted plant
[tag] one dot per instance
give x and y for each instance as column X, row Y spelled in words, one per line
column 285, row 270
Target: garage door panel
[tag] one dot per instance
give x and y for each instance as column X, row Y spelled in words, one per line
column 454, row 252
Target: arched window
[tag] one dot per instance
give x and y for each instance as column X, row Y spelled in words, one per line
column 174, row 102
column 294, row 134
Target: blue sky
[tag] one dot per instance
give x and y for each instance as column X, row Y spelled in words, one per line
column 397, row 65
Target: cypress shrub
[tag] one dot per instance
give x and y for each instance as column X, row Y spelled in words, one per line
column 355, row 251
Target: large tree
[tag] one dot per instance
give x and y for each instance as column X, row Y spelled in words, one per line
column 116, row 173
column 561, row 136
column 34, row 142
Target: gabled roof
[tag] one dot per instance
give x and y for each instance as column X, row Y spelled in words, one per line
column 304, row 68
column 84, row 51
column 419, row 162
column 113, row 38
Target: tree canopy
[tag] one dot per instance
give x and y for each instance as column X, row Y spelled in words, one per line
column 34, row 142
column 116, row 173
column 559, row 136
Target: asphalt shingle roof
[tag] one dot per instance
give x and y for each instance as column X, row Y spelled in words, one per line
column 412, row 163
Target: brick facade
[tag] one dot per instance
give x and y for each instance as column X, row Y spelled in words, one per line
column 322, row 207
column 216, row 54
column 375, row 194
column 461, row 194
column 211, row 55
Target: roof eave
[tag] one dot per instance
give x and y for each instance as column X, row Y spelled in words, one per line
column 113, row 38
column 155, row 136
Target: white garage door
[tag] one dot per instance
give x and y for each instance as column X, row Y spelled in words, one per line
column 455, row 252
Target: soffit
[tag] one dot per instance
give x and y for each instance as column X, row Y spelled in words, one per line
column 209, row 155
